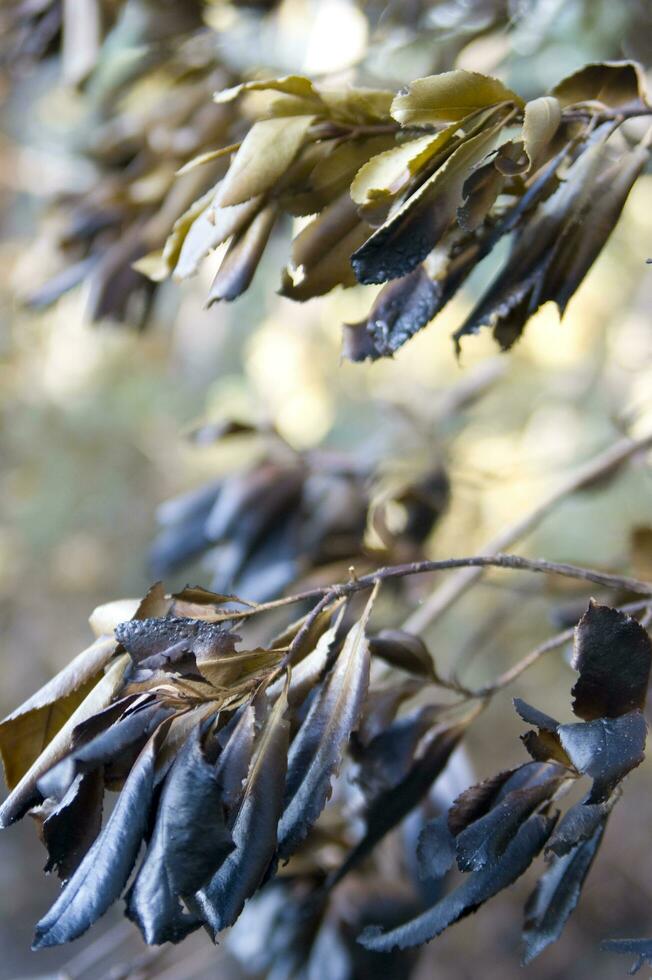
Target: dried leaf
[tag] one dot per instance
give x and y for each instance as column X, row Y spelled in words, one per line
column 605, row 749
column 25, row 733
column 613, row 654
column 556, row 894
column 189, row 843
column 640, row 948
column 467, row 897
column 70, row 827
column 103, row 873
column 541, row 121
column 615, row 84
column 243, row 255
column 266, row 152
column 316, row 751
column 158, row 641
column 449, row 97
column 254, row 829
column 403, row 650
column 385, row 174
column 435, row 849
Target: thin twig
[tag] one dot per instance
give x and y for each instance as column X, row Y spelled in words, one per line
column 456, row 586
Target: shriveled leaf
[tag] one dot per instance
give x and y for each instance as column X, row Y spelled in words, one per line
column 254, row 830
column 235, row 757
column 616, row 84
column 207, row 157
column 155, row 642
column 266, row 152
column 541, row 121
column 380, row 707
column 605, row 749
column 469, row 896
column 389, row 808
column 234, row 668
column 613, row 654
column 25, row 733
column 483, row 842
column 212, row 227
column 402, row 308
column 449, row 97
column 103, row 873
column 578, row 825
column 317, row 749
column 241, row 260
column 70, row 827
column 403, row 650
column 399, row 245
column 388, row 757
column 556, row 894
column 295, row 85
column 128, row 733
column 435, row 849
column 25, row 794
column 386, row 173
column 640, row 948
column 189, row 843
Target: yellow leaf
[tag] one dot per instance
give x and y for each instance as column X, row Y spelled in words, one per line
column 540, row 123
column 266, row 152
column 449, row 97
column 207, row 157
column 386, row 173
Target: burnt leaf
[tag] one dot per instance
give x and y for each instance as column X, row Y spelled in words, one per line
column 405, row 239
column 468, row 896
column 483, row 842
column 605, row 749
column 130, row 731
column 317, row 749
column 640, row 948
column 435, row 849
column 380, row 708
column 387, row 759
column 155, row 642
column 543, row 745
column 235, row 758
column 70, row 828
column 476, row 801
column 402, row 308
column 577, row 825
column 254, row 830
column 403, row 650
column 103, row 873
column 612, row 654
column 390, row 807
column 556, row 894
column 189, row 843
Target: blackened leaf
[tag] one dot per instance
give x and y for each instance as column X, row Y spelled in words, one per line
column 435, row 849
column 388, row 809
column 25, row 794
column 640, row 948
column 556, row 894
column 387, row 759
column 614, row 83
column 133, row 729
column 470, row 895
column 577, row 825
column 612, row 654
column 316, row 751
column 235, row 757
column 533, row 716
column 189, row 843
column 101, row 876
column 402, row 308
column 308, row 672
column 71, row 827
column 25, row 733
column 476, row 801
column 399, row 245
column 380, row 709
column 483, row 842
column 254, row 831
column 403, row 650
column 543, row 745
column 173, row 637
column 605, row 749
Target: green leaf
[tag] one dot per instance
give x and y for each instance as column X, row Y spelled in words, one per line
column 449, row 97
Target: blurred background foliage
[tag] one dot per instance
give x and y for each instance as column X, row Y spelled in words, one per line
column 94, row 418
